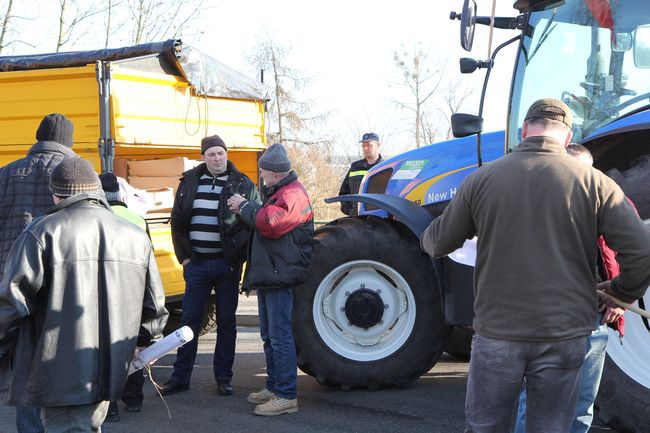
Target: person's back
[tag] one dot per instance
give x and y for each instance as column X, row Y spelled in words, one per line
column 538, row 196
column 97, row 275
column 537, row 214
column 82, row 288
column 24, row 192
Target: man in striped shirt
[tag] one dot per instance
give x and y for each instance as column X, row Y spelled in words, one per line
column 210, row 242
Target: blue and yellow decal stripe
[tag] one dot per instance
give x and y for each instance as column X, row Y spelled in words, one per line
column 418, row 193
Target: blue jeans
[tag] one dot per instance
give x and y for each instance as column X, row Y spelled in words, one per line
column 28, row 419
column 201, row 277
column 82, row 418
column 497, row 370
column 592, row 370
column 275, row 307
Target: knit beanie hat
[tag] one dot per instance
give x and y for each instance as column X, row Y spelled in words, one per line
column 110, row 186
column 212, row 141
column 55, row 127
column 275, row 159
column 74, row 176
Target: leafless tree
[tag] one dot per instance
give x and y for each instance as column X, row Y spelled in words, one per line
column 420, row 80
column 290, row 114
column 9, row 15
column 6, row 19
column 112, row 8
column 163, row 19
column 71, row 15
column 320, row 175
column 454, row 97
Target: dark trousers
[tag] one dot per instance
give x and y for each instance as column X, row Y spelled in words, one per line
column 132, row 394
column 496, row 373
column 201, row 278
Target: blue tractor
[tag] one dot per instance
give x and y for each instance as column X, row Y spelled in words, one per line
column 377, row 311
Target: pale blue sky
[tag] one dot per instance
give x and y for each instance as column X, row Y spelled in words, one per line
column 346, row 49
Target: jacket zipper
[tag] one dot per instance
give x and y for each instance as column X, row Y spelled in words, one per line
column 268, row 253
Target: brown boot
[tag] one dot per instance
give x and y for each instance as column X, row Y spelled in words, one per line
column 277, row 406
column 260, row 397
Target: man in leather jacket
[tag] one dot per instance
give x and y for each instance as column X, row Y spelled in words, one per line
column 210, row 242
column 80, row 289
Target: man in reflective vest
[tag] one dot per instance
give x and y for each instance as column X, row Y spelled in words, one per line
column 370, row 146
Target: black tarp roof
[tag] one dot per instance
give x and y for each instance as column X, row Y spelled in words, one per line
column 205, row 74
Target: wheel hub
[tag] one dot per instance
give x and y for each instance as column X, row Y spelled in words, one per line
column 364, row 308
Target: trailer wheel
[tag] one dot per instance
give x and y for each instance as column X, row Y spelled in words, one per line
column 370, row 314
column 208, row 324
column 623, row 399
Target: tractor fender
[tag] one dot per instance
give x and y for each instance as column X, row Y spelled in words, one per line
column 415, row 217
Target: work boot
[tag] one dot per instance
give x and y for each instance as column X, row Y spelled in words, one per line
column 224, row 388
column 113, row 414
column 172, row 387
column 277, row 406
column 260, row 397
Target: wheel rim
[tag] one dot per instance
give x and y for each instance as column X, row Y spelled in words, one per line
column 632, row 356
column 371, row 285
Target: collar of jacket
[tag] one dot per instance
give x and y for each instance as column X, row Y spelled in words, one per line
column 50, row 146
column 540, row 143
column 197, row 171
column 76, row 199
column 268, row 192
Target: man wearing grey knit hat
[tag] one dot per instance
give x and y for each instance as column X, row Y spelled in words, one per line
column 80, row 288
column 278, row 261
column 25, row 183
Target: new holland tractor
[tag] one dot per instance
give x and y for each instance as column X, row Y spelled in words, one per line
column 377, row 311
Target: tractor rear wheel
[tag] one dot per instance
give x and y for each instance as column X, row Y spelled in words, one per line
column 624, row 396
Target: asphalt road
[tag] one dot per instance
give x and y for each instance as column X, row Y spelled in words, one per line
column 432, row 404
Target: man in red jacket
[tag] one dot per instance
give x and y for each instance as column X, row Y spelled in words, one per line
column 278, row 259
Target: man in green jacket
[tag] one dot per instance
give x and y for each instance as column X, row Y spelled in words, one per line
column 537, row 215
column 132, row 396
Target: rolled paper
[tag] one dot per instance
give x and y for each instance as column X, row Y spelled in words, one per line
column 161, row 348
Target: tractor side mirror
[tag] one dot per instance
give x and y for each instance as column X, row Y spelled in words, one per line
column 467, row 23
column 642, row 47
column 463, row 125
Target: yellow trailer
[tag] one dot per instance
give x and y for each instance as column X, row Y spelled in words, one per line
column 152, row 101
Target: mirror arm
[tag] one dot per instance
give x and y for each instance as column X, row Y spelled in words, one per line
column 485, row 82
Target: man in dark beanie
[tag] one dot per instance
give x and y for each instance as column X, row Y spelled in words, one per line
column 57, row 128
column 80, row 290
column 210, row 242
column 278, row 261
column 24, row 194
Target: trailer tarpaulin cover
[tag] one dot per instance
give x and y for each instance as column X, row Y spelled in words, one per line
column 206, row 75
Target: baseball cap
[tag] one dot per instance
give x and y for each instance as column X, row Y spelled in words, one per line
column 369, row 136
column 550, row 108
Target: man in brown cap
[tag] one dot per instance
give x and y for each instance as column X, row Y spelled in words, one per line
column 80, row 289
column 537, row 215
